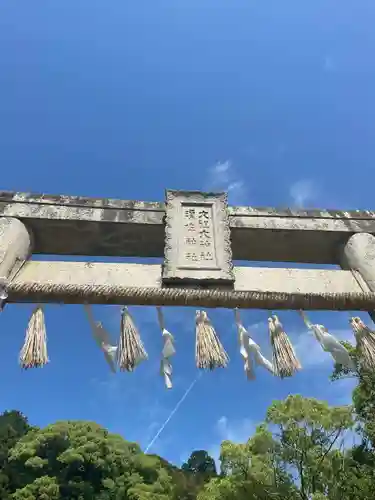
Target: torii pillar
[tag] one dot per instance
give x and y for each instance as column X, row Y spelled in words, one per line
column 359, row 256
column 15, row 247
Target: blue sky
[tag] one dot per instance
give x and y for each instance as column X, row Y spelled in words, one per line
column 273, row 101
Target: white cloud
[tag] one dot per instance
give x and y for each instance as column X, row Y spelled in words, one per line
column 223, row 177
column 303, row 192
column 258, row 326
column 221, row 168
column 329, row 64
column 237, row 431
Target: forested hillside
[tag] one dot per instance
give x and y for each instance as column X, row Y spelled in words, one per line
column 303, row 450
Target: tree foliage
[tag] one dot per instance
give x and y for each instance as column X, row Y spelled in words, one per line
column 299, row 452
column 363, row 395
column 200, row 462
column 82, row 461
column 308, row 434
column 13, row 426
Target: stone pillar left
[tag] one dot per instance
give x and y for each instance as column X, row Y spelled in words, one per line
column 15, row 247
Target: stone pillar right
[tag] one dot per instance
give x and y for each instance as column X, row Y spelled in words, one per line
column 359, row 255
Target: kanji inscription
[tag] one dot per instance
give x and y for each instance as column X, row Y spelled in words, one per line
column 197, row 238
column 199, row 248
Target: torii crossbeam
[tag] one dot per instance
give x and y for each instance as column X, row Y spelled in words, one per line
column 196, row 236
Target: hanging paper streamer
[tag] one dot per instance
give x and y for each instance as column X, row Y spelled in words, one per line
column 131, row 351
column 365, row 342
column 285, row 362
column 249, row 350
column 167, row 352
column 209, row 352
column 243, row 339
column 329, row 343
column 34, row 351
column 102, row 338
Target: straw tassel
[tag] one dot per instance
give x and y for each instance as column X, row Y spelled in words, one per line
column 329, row 343
column 131, row 351
column 167, row 352
column 250, row 349
column 365, row 343
column 102, row 338
column 209, row 352
column 285, row 362
column 34, row 351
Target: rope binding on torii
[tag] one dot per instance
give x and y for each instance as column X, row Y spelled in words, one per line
column 19, row 291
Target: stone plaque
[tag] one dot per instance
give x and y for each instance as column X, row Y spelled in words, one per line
column 197, row 238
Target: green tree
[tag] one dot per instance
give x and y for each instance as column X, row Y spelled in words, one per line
column 309, row 432
column 296, row 454
column 250, row 470
column 363, row 398
column 197, row 470
column 85, row 462
column 185, row 484
column 362, row 456
column 13, row 425
column 43, row 488
column 200, row 462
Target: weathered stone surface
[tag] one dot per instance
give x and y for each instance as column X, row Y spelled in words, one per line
column 359, row 255
column 15, row 246
column 94, row 226
column 197, row 238
column 84, row 274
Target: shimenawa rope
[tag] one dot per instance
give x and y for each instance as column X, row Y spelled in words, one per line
column 68, row 293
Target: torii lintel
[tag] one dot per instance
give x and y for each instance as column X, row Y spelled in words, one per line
column 198, row 236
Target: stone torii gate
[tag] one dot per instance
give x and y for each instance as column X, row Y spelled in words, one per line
column 195, row 235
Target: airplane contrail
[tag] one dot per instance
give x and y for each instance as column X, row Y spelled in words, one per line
column 184, row 396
